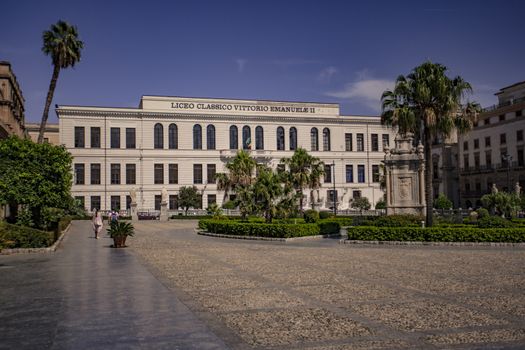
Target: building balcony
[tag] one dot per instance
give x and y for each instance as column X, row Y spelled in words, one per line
column 504, row 104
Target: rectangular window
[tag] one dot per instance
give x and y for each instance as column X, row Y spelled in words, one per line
column 115, row 174
column 348, row 142
column 95, row 174
column 466, row 164
column 519, row 113
column 476, row 160
column 212, row 199
column 158, row 199
column 115, row 137
column 79, row 137
column 476, row 143
column 488, row 158
column 199, row 204
column 356, row 194
column 361, row 173
column 95, row 137
column 519, row 135
column 115, row 202
column 375, row 173
column 131, row 174
column 521, row 159
column 79, row 174
column 211, row 171
column 503, row 139
column 477, row 186
column 487, row 121
column 130, row 138
column 95, row 202
column 465, row 146
column 501, row 117
column 158, row 174
column 173, row 202
column 331, row 196
column 349, row 173
column 80, row 200
column 173, row 173
column 386, row 140
column 487, row 141
column 360, row 143
column 197, row 173
column 375, row 143
column 128, row 202
column 467, row 187
column 327, row 173
column 503, row 156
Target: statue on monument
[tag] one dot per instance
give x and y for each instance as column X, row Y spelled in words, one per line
column 494, row 189
column 133, row 195
column 517, row 189
column 164, row 195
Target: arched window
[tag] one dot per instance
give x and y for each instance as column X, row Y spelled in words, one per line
column 210, row 137
column 158, row 136
column 326, row 139
column 246, row 137
column 259, row 138
column 293, row 139
column 173, row 137
column 280, row 138
column 234, row 137
column 314, row 139
column 197, row 136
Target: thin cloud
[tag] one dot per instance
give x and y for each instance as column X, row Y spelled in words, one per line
column 326, row 74
column 366, row 91
column 285, row 63
column 241, row 64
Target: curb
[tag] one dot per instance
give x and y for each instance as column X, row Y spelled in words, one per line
column 50, row 249
column 256, row 238
column 439, row 244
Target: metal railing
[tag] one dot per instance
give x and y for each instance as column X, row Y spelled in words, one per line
column 504, row 104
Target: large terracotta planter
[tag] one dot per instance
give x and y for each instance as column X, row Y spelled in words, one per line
column 119, row 241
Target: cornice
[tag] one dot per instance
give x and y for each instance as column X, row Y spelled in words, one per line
column 217, row 117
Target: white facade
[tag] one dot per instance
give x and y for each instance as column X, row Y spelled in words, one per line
column 77, row 124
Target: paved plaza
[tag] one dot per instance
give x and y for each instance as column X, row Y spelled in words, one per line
column 173, row 289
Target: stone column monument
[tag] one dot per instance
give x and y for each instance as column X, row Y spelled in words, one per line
column 405, row 177
column 164, row 205
column 134, row 213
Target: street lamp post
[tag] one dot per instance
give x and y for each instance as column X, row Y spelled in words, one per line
column 334, row 196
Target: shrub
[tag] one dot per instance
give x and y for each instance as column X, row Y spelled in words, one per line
column 482, row 212
column 311, row 216
column 381, row 204
column 361, row 203
column 259, row 229
column 342, row 220
column 395, row 221
column 325, row 214
column 442, row 202
column 230, row 205
column 437, row 234
column 494, row 221
column 13, row 236
column 329, row 227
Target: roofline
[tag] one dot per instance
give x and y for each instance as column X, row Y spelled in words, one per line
column 508, row 87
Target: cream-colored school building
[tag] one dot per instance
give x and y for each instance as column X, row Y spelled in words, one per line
column 175, row 141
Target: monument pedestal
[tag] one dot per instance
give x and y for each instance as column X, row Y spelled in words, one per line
column 164, row 211
column 134, row 213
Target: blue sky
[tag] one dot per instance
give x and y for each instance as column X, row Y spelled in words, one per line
column 329, row 51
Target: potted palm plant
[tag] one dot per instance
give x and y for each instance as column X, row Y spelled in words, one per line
column 119, row 231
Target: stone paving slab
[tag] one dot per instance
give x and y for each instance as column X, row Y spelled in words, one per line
column 87, row 295
column 324, row 295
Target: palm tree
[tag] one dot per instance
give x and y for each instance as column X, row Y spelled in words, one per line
column 429, row 104
column 241, row 169
column 267, row 189
column 300, row 170
column 62, row 44
column 314, row 183
column 223, row 184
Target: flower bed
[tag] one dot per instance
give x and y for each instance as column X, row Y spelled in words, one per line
column 437, row 234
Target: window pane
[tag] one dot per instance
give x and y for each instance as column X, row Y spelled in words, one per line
column 173, row 136
column 158, row 199
column 293, row 139
column 158, row 174
column 348, row 142
column 259, row 138
column 349, row 173
column 197, row 173
column 326, row 139
column 375, row 143
column 130, row 138
column 95, row 137
column 375, row 173
column 360, row 143
column 314, row 139
column 79, row 174
column 361, row 173
column 234, row 139
column 246, row 137
column 327, row 173
column 212, row 199
column 386, row 140
column 158, row 136
column 131, row 174
column 95, row 202
column 95, row 174
column 197, row 137
column 173, row 173
column 79, row 137
column 115, row 174
column 173, row 202
column 115, row 202
column 115, row 137
column 211, row 170
column 280, row 138
column 210, row 137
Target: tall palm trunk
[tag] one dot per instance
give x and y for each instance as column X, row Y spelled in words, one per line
column 49, row 99
column 301, row 199
column 428, row 177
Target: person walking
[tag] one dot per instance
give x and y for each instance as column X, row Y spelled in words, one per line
column 97, row 222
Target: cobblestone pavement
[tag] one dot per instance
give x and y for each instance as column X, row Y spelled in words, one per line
column 324, row 295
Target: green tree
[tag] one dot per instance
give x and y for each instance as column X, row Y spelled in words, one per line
column 267, row 189
column 62, row 44
column 35, row 177
column 361, row 203
column 381, row 204
column 300, row 167
column 189, row 197
column 501, row 203
column 428, row 103
column 314, row 181
column 442, row 202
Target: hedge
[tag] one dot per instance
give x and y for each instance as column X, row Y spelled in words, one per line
column 258, row 229
column 437, row 234
column 13, row 236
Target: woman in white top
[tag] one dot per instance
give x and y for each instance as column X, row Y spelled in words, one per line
column 97, row 222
